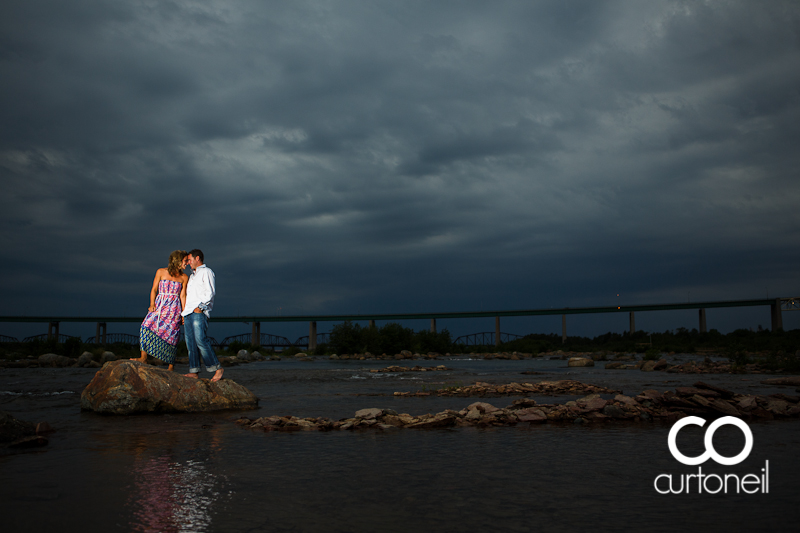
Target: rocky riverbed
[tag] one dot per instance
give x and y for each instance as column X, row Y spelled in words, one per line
column 701, row 399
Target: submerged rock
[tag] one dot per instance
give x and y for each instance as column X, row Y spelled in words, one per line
column 127, row 387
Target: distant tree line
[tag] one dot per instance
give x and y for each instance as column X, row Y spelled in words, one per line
column 391, row 338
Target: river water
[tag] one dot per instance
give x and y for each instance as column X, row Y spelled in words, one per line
column 201, row 472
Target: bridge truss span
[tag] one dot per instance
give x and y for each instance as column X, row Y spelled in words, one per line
column 485, row 338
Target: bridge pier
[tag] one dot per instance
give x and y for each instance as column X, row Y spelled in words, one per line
column 312, row 336
column 255, row 334
column 51, row 327
column 563, row 329
column 372, row 323
column 633, row 323
column 775, row 315
column 433, row 325
column 497, row 331
column 100, row 333
column 703, row 325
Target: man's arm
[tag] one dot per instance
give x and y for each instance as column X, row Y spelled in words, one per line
column 206, row 289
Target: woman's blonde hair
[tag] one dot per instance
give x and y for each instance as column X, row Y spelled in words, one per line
column 175, row 266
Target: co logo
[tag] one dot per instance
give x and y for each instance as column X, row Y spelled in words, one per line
column 708, row 441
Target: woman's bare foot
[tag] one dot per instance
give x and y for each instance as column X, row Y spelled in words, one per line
column 170, row 368
column 190, row 376
column 142, row 359
column 217, row 375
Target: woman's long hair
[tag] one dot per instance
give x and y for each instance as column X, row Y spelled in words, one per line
column 175, row 266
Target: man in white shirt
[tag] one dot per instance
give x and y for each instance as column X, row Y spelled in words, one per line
column 199, row 301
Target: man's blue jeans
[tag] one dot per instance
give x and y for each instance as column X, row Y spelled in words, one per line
column 195, row 328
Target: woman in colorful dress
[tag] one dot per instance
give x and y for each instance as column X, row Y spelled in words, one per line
column 161, row 328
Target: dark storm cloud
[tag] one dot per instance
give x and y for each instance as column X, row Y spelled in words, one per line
column 332, row 156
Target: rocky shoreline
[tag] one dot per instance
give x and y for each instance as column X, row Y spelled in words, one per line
column 613, row 361
column 701, row 399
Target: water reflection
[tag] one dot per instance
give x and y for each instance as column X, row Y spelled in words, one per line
column 173, row 485
column 171, row 496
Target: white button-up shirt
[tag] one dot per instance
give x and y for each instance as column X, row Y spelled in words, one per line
column 200, row 291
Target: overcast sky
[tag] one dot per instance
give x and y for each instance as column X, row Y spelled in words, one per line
column 401, row 156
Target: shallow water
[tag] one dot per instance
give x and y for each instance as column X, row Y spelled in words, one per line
column 201, row 472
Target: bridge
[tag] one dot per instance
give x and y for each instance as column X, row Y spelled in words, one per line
column 266, row 340
column 776, row 305
column 115, row 338
column 45, row 337
column 486, row 338
column 105, row 338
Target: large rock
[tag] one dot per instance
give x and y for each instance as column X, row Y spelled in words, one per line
column 125, row 387
column 580, row 361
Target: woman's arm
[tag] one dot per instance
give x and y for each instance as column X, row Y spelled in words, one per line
column 185, row 282
column 154, row 290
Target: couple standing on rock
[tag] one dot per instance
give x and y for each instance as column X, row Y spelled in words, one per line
column 177, row 298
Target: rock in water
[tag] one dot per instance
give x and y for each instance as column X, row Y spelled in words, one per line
column 126, row 387
column 12, row 429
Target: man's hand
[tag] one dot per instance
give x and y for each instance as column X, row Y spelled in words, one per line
column 198, row 310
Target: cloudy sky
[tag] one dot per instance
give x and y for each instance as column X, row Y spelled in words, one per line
column 383, row 156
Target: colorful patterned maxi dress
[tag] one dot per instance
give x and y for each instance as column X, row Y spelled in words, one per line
column 161, row 328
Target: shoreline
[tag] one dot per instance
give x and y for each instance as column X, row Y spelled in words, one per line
column 611, row 361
